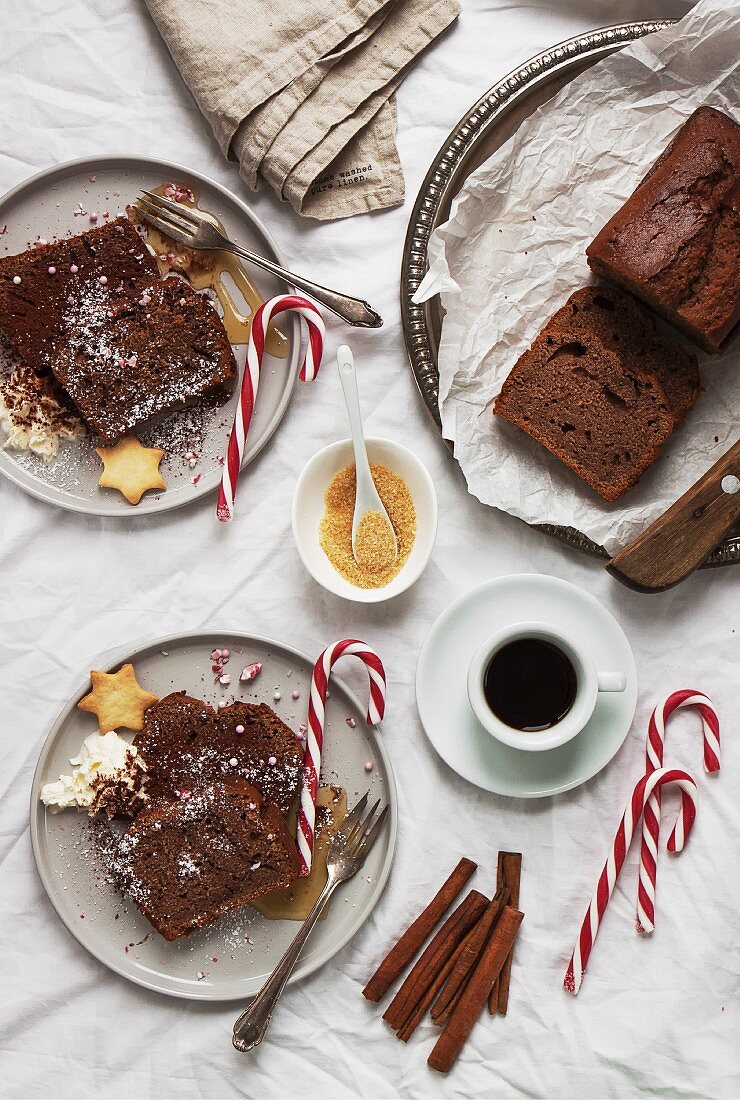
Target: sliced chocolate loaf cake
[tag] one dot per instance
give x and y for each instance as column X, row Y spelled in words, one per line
column 124, row 344
column 185, row 743
column 675, row 242
column 40, row 287
column 624, row 326
column 579, row 400
column 187, row 863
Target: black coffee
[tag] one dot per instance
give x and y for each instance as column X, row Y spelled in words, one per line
column 530, row 684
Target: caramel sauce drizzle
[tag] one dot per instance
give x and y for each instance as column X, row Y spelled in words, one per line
column 296, row 901
column 204, row 268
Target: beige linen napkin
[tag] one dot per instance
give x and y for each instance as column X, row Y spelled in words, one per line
column 301, row 92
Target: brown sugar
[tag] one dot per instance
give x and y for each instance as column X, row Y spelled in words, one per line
column 377, row 565
column 375, row 543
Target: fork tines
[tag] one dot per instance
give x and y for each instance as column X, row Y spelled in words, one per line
column 358, row 831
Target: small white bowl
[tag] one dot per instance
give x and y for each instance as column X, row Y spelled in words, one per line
column 308, row 508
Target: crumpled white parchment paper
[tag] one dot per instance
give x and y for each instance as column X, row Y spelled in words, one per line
column 514, row 249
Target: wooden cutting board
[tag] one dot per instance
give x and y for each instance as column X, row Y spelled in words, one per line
column 680, row 540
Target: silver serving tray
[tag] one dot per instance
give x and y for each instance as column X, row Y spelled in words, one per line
column 483, row 130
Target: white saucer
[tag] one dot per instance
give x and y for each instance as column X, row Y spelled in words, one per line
column 441, row 686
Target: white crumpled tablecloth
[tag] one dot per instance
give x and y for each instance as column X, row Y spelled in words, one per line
column 655, row 1017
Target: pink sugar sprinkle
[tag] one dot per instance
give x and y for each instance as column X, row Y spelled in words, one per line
column 103, row 280
column 272, row 761
column 368, row 766
column 73, row 268
column 295, row 694
column 52, row 270
column 93, row 216
column 240, row 728
column 17, row 280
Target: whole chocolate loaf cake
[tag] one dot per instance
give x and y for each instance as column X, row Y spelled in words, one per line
column 676, row 241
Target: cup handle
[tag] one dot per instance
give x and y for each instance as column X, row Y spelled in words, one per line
column 611, row 681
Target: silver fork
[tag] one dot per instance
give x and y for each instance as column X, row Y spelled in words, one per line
column 344, row 859
column 194, row 229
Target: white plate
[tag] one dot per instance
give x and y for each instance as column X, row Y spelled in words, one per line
column 44, row 206
column 308, row 508
column 441, row 686
column 111, row 927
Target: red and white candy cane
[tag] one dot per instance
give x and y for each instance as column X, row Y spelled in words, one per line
column 651, row 817
column 251, row 379
column 315, row 731
column 608, row 878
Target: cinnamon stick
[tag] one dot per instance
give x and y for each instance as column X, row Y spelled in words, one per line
column 404, row 1033
column 509, row 874
column 451, row 1041
column 433, row 959
column 472, row 948
column 413, row 938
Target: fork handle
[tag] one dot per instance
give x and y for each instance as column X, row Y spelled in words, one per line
column 354, row 311
column 250, row 1028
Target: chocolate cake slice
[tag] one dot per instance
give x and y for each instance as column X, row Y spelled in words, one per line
column 675, row 242
column 578, row 399
column 124, row 344
column 626, row 327
column 187, row 863
column 185, row 743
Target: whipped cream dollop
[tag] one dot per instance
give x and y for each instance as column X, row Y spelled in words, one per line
column 107, row 776
column 32, row 418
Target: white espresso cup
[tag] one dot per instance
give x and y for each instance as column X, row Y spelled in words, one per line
column 589, row 682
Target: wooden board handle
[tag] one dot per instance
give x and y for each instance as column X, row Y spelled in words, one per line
column 686, row 534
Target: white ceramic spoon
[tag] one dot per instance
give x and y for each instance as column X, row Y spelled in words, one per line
column 367, row 498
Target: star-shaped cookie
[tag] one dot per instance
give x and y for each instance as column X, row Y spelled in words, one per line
column 131, row 468
column 117, row 699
